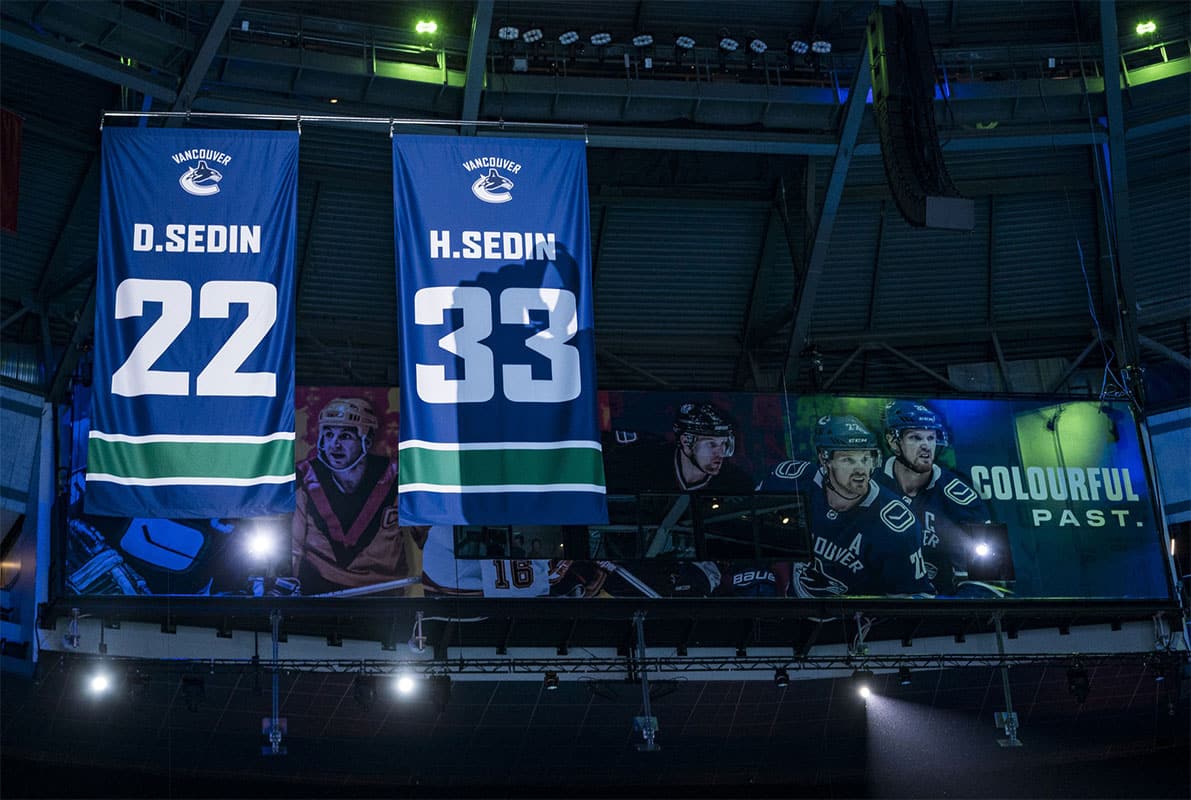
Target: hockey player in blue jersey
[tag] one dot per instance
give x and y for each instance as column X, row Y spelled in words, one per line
column 864, row 540
column 940, row 498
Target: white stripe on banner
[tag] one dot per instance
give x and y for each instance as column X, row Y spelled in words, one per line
column 171, row 438
column 189, row 480
column 531, row 488
column 461, row 446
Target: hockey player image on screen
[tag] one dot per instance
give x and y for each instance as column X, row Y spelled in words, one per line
column 444, row 574
column 698, row 459
column 864, row 539
column 345, row 533
column 941, row 499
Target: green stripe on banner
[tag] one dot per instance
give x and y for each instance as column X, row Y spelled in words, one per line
column 191, row 459
column 568, row 465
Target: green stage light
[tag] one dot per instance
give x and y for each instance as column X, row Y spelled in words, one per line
column 427, row 26
column 1146, row 27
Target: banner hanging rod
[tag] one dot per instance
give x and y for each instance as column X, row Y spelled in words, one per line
column 298, row 119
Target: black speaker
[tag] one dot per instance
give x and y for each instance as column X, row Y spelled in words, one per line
column 903, row 70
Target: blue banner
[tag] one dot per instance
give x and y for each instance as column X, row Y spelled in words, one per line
column 498, row 400
column 193, row 408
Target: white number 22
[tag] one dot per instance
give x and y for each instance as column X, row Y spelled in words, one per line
column 220, row 377
column 479, row 382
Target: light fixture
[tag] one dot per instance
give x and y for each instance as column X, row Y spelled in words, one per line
column 193, row 692
column 426, row 26
column 643, row 40
column 798, row 46
column 821, row 46
column 781, row 678
column 1078, row 683
column 1147, row 27
column 982, row 550
column 684, row 42
column 727, row 43
column 568, row 38
column 785, row 520
column 903, row 676
column 533, row 35
column 756, row 44
column 508, row 33
column 261, row 545
column 601, row 38
column 99, row 683
column 862, row 679
column 404, row 685
column 550, row 681
column 333, row 100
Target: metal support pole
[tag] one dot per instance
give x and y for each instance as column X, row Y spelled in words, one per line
column 275, row 747
column 646, row 723
column 1006, row 719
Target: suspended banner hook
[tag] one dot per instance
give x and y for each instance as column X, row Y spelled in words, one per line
column 298, row 122
column 392, row 127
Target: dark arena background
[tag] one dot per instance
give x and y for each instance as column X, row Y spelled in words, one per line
column 607, row 398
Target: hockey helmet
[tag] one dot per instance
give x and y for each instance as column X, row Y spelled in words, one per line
column 355, row 412
column 703, row 419
column 904, row 415
column 843, row 432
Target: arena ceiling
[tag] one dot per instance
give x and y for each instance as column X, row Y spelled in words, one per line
column 743, row 236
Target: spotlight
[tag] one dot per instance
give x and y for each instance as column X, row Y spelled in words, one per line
column 756, row 44
column 684, row 42
column 405, row 685
column 821, row 46
column 550, row 681
column 427, row 26
column 781, row 678
column 862, row 679
column 643, row 40
column 982, row 549
column 532, row 35
column 99, row 683
column 568, row 38
column 261, row 545
column 601, row 38
column 1146, row 27
column 727, row 43
column 799, row 46
column 508, row 33
column 903, row 677
column 193, row 692
column 1078, row 683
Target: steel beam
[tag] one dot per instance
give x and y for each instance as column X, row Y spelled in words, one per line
column 477, row 60
column 202, row 59
column 853, row 114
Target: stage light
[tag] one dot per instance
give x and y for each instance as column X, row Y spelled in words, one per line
column 684, row 42
column 982, row 549
column 821, row 46
column 261, row 545
column 903, row 677
column 799, row 46
column 756, row 44
column 550, row 681
column 333, row 100
column 508, row 33
column 99, row 683
column 532, row 35
column 568, row 38
column 405, row 685
column 601, row 38
column 781, row 678
column 1146, row 27
column 727, row 43
column 862, row 680
column 643, row 40
column 427, row 26
column 1078, row 683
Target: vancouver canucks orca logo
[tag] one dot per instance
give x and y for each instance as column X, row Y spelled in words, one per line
column 201, row 180
column 493, row 187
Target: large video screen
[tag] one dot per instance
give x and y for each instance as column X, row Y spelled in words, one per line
column 709, row 495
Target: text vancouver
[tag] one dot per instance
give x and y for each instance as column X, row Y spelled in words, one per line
column 494, row 245
column 197, row 239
